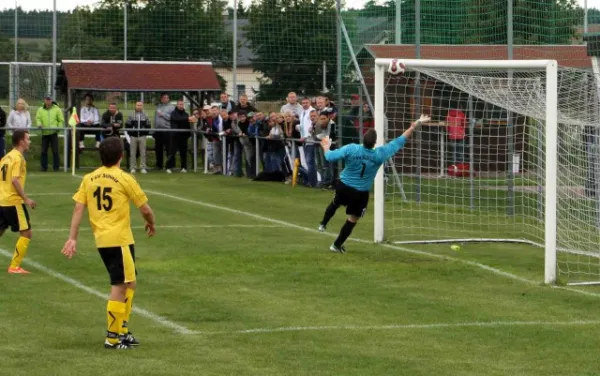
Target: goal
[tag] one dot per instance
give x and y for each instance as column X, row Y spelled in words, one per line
column 512, row 155
column 27, row 80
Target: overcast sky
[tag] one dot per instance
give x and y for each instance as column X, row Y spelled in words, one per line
column 70, row 4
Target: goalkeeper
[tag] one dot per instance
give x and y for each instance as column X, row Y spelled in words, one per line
column 362, row 163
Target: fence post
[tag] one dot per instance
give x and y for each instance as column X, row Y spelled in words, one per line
column 195, row 143
column 66, row 150
column 442, row 151
column 360, row 114
column 224, row 152
column 257, row 156
column 54, row 46
column 206, row 157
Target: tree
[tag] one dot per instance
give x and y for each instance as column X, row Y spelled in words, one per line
column 291, row 39
column 241, row 11
column 593, row 16
column 31, row 24
column 181, row 30
column 534, row 22
column 156, row 30
column 484, row 21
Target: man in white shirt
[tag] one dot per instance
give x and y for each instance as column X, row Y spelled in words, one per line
column 217, row 147
column 305, row 126
column 292, row 105
column 306, row 135
column 89, row 117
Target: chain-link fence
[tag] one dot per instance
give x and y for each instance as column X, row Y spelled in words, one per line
column 268, row 48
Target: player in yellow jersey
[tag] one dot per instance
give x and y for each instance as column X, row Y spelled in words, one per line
column 13, row 200
column 106, row 193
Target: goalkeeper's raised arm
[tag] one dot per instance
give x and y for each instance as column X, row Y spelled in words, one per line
column 392, row 147
column 386, row 151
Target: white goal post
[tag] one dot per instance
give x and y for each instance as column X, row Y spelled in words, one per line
column 548, row 115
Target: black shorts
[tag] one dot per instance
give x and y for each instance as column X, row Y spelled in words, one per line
column 120, row 263
column 355, row 201
column 16, row 217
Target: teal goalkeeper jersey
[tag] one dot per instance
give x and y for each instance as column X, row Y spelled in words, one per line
column 362, row 164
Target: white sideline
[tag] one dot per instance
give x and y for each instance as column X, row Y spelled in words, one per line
column 398, row 248
column 477, row 324
column 142, row 312
column 163, row 227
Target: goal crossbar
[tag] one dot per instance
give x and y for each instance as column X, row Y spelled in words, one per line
column 551, row 137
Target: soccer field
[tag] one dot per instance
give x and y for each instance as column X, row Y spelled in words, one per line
column 237, row 281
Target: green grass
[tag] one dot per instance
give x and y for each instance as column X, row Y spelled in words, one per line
column 363, row 313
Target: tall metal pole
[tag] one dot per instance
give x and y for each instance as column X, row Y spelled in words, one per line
column 585, row 16
column 16, row 33
column 338, row 78
column 125, row 6
column 398, row 38
column 324, row 76
column 509, row 119
column 418, row 28
column 54, row 43
column 471, row 153
column 360, row 114
column 509, row 29
column 125, row 31
column 234, row 72
column 417, row 92
column 13, row 68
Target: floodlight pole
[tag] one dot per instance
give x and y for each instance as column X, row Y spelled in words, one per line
column 125, row 31
column 16, row 32
column 338, row 77
column 585, row 16
column 510, row 131
column 125, row 41
column 417, row 98
column 54, row 42
column 398, row 28
column 234, row 68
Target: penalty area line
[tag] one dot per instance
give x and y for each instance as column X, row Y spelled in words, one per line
column 142, row 312
column 477, row 324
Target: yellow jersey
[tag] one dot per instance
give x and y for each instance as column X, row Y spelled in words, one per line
column 106, row 192
column 13, row 165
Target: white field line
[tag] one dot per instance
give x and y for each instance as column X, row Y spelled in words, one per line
column 478, row 324
column 142, row 312
column 184, row 330
column 390, row 246
column 164, row 227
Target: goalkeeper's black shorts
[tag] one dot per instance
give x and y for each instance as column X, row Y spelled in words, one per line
column 355, row 201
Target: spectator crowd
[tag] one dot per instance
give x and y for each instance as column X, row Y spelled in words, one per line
column 232, row 134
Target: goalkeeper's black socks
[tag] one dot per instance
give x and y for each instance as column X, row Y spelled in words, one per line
column 344, row 233
column 329, row 213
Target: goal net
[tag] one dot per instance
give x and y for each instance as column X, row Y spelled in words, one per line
column 30, row 81
column 512, row 155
